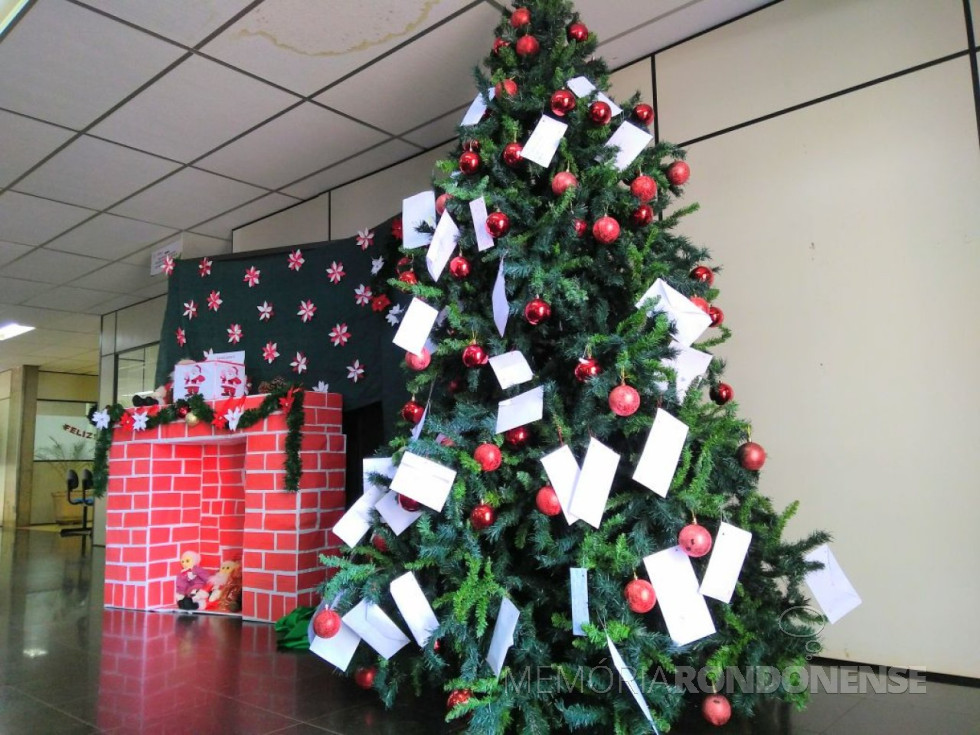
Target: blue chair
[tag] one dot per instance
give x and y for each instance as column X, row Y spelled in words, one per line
column 85, row 500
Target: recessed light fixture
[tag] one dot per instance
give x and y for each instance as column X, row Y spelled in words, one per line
column 12, row 330
column 9, row 9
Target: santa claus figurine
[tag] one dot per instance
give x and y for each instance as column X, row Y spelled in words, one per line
column 190, row 580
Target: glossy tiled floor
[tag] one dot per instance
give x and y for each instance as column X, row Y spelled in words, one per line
column 69, row 666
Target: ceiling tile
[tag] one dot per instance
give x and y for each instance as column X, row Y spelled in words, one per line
column 110, row 237
column 416, row 80
column 117, row 278
column 120, row 302
column 32, row 221
column 79, row 299
column 68, row 65
column 303, row 140
column 93, row 173
column 370, row 161
column 185, row 21
column 193, row 109
column 438, row 131
column 16, row 291
column 188, row 197
column 223, row 225
column 11, row 251
column 26, row 142
column 48, row 266
column 304, row 46
column 74, row 322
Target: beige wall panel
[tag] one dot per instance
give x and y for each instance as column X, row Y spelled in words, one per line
column 67, row 387
column 631, row 79
column 374, row 198
column 851, row 245
column 140, row 324
column 304, row 223
column 795, row 51
column 5, row 384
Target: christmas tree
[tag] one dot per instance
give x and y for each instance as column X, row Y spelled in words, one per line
column 571, row 453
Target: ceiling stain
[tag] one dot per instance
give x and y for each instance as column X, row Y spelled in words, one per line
column 338, row 32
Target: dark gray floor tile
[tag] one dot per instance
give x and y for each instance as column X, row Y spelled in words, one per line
column 878, row 714
column 24, row 715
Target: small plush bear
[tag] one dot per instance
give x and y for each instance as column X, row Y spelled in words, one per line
column 190, row 580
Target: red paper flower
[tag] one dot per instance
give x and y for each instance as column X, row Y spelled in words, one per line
column 252, row 276
column 204, row 267
column 214, row 300
column 362, row 295
column 307, row 309
column 181, row 336
column 380, row 303
column 296, row 260
column 235, row 334
column 335, row 272
column 270, row 352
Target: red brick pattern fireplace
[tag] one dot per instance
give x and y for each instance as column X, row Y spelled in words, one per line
column 176, row 488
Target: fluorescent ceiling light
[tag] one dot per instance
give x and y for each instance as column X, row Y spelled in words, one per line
column 12, row 330
column 9, row 9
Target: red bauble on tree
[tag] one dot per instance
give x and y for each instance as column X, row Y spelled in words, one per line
column 327, row 623
column 721, row 393
column 520, row 17
column 605, row 230
column 700, row 303
column 644, row 188
column 420, row 361
column 678, row 173
column 716, row 709
column 441, row 201
column 642, row 215
column 412, row 412
column 695, row 540
column 640, row 596
column 474, row 356
column 536, row 311
column 562, row 102
column 581, row 227
column 412, row 506
column 578, row 32
column 408, row 277
column 587, row 368
column 458, row 697
column 704, row 274
column 378, row 542
column 624, row 400
column 396, row 228
column 469, row 162
column 459, row 267
column 506, row 88
column 498, row 224
column 546, row 501
column 513, row 154
column 600, row 112
column 517, row 437
column 562, row 181
column 751, row 456
column 364, row 676
column 482, row 516
column 499, row 43
column 527, row 46
column 489, row 457
column 643, row 114
column 717, row 315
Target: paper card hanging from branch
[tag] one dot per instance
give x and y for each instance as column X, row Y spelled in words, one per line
column 630, row 142
column 511, row 369
column 500, row 306
column 338, row 649
column 357, row 521
column 423, row 480
column 544, row 140
column 580, row 598
column 503, row 635
column 582, row 87
column 416, row 325
column 658, row 461
column 376, row 629
column 629, row 679
column 414, row 607
column 478, row 211
column 689, row 364
column 476, row 109
column 563, row 472
column 830, row 586
column 727, row 556
column 684, row 609
column 418, row 209
column 594, row 482
column 442, row 246
column 397, row 518
column 521, row 409
column 688, row 319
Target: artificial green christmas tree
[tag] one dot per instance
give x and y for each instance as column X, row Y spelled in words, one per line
column 554, row 496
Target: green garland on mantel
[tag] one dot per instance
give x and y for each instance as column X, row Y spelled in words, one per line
column 280, row 398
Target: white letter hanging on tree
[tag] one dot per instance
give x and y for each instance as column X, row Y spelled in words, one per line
column 423, row 480
column 413, row 606
column 594, row 482
column 476, row 109
column 503, row 635
column 563, row 472
column 417, row 210
column 831, row 588
column 689, row 364
column 416, row 326
column 629, row 679
column 442, row 246
column 544, row 140
column 500, row 306
column 478, row 211
column 688, row 319
column 376, row 629
column 511, row 369
column 684, row 609
column 580, row 598
column 521, row 409
column 727, row 555
column 397, row 518
column 662, row 450
column 630, row 142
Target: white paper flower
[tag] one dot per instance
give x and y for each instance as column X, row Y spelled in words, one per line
column 190, row 309
column 139, row 420
column 376, row 265
column 356, row 371
column 321, row 387
column 362, row 295
column 265, row 311
column 394, row 314
column 101, row 419
column 233, row 415
column 365, row 238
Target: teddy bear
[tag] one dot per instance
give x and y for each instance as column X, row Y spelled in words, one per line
column 191, row 579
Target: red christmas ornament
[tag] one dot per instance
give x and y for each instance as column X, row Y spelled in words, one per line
column 605, row 230
column 695, row 540
column 489, row 457
column 408, row 504
column 640, row 596
column 498, row 44
column 520, row 17
column 644, row 188
column 471, row 144
column 517, row 437
column 408, row 277
column 642, row 215
column 561, row 182
column 721, row 393
column 498, row 224
column 643, row 114
column 474, row 356
column 379, row 543
column 537, row 311
column 458, row 697
column 751, row 456
column 396, row 228
column 716, row 709
column 546, row 501
column 513, row 154
column 459, row 267
column 527, row 46
column 562, row 102
column 420, row 361
column 717, row 315
column 182, row 411
column 578, row 32
column 678, row 173
column 624, row 400
column 441, row 202
column 506, row 88
column 469, row 162
column 482, row 516
column 326, row 624
column 455, row 385
column 581, row 227
column 586, row 369
column 364, row 676
column 704, row 274
column 700, row 303
column 412, row 412
column 600, row 112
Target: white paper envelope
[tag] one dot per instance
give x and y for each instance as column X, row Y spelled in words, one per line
column 582, row 87
column 442, row 246
column 511, row 368
column 658, row 461
column 415, row 326
column 563, row 472
column 423, row 480
column 689, row 321
column 476, row 109
column 478, row 211
column 521, row 409
column 594, row 483
column 580, row 598
column 544, row 141
column 628, row 676
column 339, row 649
column 728, row 552
column 416, row 210
column 376, row 629
column 682, row 605
column 356, row 522
column 503, row 635
column 690, row 364
column 238, row 356
column 500, row 305
column 830, row 587
column 630, row 142
column 414, row 607
column 397, row 518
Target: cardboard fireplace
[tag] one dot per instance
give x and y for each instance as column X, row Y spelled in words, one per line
column 177, row 488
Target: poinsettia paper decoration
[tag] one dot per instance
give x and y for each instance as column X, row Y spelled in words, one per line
column 335, row 272
column 270, row 352
column 181, row 336
column 356, row 371
column 190, row 309
column 296, row 260
column 252, row 276
column 139, row 420
column 362, row 295
column 265, row 311
column 204, row 267
column 307, row 310
column 169, row 264
column 394, row 315
column 376, row 265
column 235, row 334
column 365, row 238
column 299, row 364
column 214, row 300
column 101, row 419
